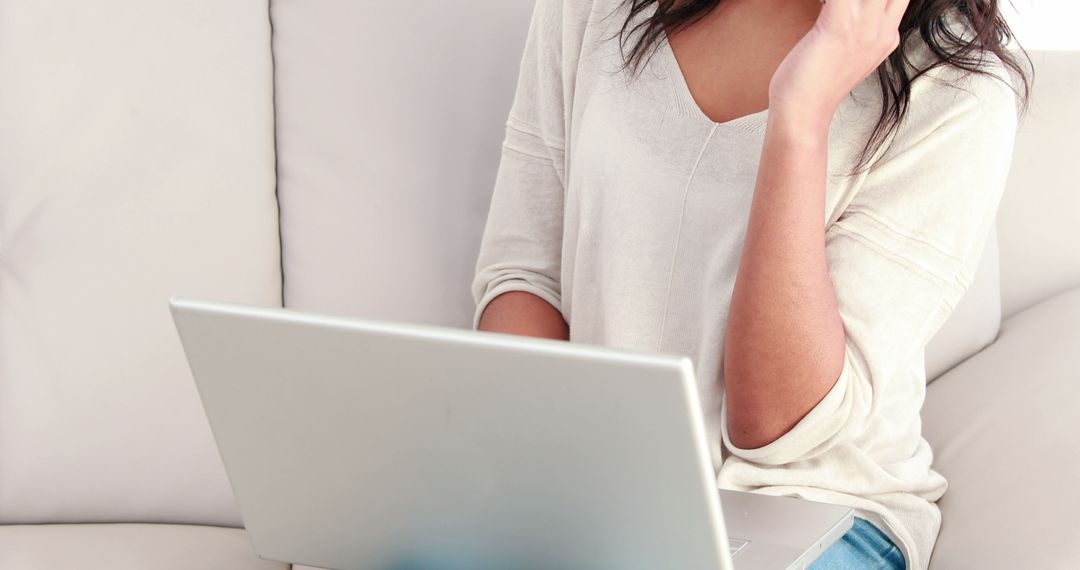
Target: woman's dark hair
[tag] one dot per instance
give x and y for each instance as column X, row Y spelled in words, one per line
column 928, row 18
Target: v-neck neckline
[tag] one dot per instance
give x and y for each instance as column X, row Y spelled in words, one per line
column 684, row 100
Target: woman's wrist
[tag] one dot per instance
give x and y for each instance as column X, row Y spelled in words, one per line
column 800, row 126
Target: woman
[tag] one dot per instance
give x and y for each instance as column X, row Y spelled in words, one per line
column 742, row 187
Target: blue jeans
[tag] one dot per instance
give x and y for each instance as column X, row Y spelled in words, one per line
column 864, row 546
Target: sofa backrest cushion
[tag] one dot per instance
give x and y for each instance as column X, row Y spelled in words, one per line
column 1039, row 220
column 389, row 123
column 1034, row 251
column 136, row 163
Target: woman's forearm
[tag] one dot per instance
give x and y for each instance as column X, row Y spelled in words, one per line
column 784, row 342
column 784, row 348
column 521, row 313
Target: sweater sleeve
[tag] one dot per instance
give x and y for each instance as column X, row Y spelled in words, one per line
column 522, row 241
column 902, row 254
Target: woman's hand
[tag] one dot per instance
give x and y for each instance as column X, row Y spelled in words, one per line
column 849, row 41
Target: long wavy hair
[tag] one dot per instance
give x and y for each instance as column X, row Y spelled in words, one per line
column 895, row 75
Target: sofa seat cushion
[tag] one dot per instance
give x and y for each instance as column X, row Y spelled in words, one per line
column 128, row 547
column 1003, row 425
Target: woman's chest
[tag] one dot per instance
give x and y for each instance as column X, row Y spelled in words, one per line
column 642, row 165
column 642, row 158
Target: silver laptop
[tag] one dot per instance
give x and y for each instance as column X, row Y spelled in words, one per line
column 361, row 445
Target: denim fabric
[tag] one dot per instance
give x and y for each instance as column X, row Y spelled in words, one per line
column 864, row 546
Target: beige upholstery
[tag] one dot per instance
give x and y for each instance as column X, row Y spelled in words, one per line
column 386, row 163
column 1039, row 220
column 1003, row 423
column 128, row 547
column 1004, row 429
column 136, row 162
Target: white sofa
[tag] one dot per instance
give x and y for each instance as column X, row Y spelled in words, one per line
column 262, row 154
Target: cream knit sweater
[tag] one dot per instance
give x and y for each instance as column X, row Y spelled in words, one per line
column 620, row 203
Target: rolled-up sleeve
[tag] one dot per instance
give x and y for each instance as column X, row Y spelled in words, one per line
column 902, row 254
column 522, row 243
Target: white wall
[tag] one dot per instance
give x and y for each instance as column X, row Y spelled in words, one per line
column 1045, row 24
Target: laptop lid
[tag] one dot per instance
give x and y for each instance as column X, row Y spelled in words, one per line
column 359, row 444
